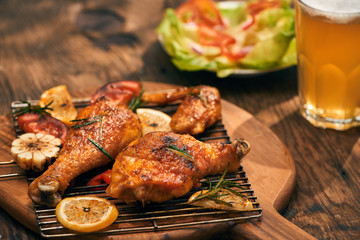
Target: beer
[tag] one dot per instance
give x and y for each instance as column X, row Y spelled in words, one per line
column 328, row 48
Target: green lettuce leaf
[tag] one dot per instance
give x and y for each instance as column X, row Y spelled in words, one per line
column 276, row 29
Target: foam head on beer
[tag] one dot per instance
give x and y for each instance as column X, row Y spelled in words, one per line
column 336, row 6
column 343, row 11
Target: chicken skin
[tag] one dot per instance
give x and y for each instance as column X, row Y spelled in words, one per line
column 200, row 107
column 163, row 165
column 198, row 111
column 111, row 126
column 165, row 96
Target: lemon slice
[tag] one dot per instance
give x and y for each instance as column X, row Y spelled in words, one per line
column 85, row 213
column 153, row 120
column 63, row 108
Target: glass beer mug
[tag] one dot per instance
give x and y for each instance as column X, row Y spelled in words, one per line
column 328, row 48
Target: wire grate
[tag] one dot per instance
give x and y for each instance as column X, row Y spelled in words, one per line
column 173, row 214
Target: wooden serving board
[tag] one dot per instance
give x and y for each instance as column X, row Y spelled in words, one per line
column 269, row 168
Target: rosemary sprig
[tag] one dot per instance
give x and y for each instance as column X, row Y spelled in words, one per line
column 234, row 192
column 84, row 124
column 213, row 192
column 100, row 148
column 215, row 199
column 96, row 119
column 33, row 109
column 136, row 102
column 181, row 152
column 79, row 120
column 200, row 96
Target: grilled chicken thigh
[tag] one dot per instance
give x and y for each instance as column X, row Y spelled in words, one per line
column 164, row 165
column 111, row 126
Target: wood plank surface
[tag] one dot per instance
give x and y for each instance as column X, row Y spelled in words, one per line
column 269, row 167
column 44, row 43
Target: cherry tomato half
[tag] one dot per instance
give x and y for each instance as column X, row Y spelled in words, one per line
column 118, row 92
column 35, row 123
column 102, row 178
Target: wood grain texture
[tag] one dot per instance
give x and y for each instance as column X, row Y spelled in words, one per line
column 42, row 44
column 269, row 167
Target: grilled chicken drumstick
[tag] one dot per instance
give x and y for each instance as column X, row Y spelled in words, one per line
column 164, row 165
column 111, row 126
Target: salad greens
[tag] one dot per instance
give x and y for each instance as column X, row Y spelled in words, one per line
column 269, row 41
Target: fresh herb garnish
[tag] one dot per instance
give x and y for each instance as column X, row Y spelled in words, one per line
column 136, row 102
column 79, row 120
column 98, row 118
column 33, row 109
column 84, row 124
column 181, row 152
column 100, row 148
column 93, row 120
column 213, row 192
column 201, row 96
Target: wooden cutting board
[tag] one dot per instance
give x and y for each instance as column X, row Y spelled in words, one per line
column 269, row 168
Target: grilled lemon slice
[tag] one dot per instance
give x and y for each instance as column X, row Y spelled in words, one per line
column 86, row 213
column 153, row 120
column 224, row 200
column 61, row 104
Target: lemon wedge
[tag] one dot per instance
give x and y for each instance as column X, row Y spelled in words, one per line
column 61, row 103
column 153, row 120
column 86, row 213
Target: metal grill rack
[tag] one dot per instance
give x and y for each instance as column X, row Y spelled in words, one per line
column 170, row 215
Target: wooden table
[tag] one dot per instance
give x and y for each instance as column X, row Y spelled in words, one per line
column 89, row 43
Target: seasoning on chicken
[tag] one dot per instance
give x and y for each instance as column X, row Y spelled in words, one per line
column 198, row 111
column 164, row 165
column 165, row 96
column 200, row 107
column 112, row 126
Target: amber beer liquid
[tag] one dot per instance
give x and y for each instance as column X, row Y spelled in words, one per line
column 328, row 48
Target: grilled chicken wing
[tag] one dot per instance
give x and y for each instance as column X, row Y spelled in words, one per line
column 112, row 126
column 164, row 165
column 198, row 111
column 165, row 96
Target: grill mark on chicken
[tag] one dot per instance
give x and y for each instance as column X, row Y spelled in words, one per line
column 78, row 155
column 162, row 174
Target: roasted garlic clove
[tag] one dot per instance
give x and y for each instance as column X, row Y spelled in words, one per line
column 33, row 150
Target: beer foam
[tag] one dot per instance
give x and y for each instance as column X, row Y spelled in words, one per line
column 340, row 11
column 335, row 6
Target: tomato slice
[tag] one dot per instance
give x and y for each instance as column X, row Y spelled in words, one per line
column 256, row 7
column 118, row 92
column 35, row 123
column 211, row 37
column 102, row 178
column 200, row 12
column 107, row 176
column 208, row 18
